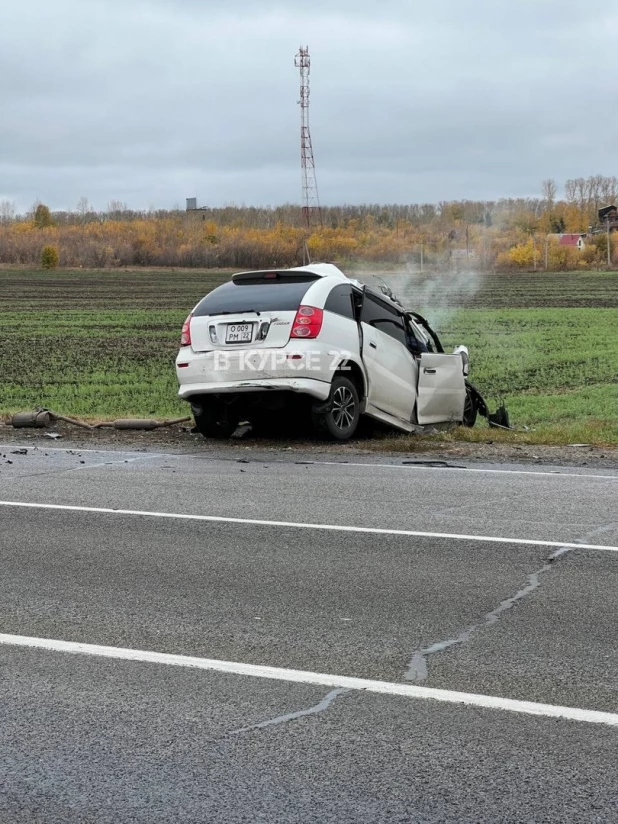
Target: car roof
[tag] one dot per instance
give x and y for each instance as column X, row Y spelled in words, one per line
column 322, row 270
column 386, row 297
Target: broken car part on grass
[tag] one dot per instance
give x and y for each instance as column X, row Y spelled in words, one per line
column 42, row 418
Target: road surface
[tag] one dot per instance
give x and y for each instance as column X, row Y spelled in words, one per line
column 197, row 638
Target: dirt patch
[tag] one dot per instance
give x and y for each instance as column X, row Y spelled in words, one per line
column 181, row 439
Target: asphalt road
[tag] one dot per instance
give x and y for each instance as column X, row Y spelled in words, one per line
column 271, row 605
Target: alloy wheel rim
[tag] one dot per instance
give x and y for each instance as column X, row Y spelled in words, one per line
column 344, row 407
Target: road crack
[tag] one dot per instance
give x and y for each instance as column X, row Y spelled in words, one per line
column 418, row 670
column 292, row 716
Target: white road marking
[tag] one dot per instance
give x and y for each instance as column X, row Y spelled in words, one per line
column 370, row 530
column 319, row 679
column 466, row 469
column 148, row 457
column 408, row 467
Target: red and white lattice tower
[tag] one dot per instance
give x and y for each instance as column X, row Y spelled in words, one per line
column 312, row 214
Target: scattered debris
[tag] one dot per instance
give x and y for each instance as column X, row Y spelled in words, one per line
column 242, row 430
column 53, row 435
column 19, row 452
column 441, row 464
column 500, row 418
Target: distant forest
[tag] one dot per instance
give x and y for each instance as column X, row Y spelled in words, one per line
column 508, row 234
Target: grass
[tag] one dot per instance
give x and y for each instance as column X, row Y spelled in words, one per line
column 101, row 344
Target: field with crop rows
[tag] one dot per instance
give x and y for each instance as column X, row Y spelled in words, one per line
column 101, row 344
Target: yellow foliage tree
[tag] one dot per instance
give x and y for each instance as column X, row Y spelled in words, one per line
column 49, row 257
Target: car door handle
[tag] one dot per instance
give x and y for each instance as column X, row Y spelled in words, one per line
column 428, row 371
column 373, row 345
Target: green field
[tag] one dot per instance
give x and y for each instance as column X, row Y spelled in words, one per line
column 101, row 344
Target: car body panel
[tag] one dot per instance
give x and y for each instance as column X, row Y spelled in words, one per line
column 320, row 390
column 269, row 330
column 391, row 374
column 441, row 388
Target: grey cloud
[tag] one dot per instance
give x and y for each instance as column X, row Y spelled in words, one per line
column 154, row 100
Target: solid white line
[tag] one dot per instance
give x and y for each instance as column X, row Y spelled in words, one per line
column 148, row 457
column 467, row 469
column 320, row 679
column 300, row 525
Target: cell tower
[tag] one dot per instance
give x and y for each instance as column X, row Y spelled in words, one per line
column 312, row 214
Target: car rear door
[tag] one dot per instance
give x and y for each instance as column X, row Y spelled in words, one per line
column 391, row 369
column 252, row 311
column 441, row 388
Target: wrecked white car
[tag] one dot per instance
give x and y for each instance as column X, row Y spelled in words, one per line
column 310, row 340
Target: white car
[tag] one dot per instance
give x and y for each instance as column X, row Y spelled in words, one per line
column 311, row 338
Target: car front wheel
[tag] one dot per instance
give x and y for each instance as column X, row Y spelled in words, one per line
column 340, row 419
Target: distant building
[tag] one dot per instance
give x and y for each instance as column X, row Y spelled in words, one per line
column 608, row 213
column 575, row 241
column 461, row 254
column 195, row 212
column 608, row 219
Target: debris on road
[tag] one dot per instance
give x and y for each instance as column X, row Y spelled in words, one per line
column 434, row 464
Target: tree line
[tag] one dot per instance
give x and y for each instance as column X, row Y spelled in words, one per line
column 510, row 233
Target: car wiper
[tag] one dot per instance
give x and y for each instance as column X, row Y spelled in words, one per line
column 239, row 312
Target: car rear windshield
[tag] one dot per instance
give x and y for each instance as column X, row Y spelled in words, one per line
column 266, row 296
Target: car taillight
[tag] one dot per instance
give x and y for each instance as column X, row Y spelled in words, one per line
column 185, row 335
column 307, row 323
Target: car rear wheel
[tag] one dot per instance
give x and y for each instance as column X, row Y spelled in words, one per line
column 215, row 420
column 340, row 419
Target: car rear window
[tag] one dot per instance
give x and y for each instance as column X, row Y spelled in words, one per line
column 266, row 296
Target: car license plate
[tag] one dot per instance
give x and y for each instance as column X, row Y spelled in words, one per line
column 239, row 333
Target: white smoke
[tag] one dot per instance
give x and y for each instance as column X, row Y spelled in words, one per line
column 436, row 294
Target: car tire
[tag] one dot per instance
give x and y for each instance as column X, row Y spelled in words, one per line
column 340, row 420
column 215, row 421
column 470, row 409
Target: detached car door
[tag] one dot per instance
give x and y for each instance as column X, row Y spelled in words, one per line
column 441, row 388
column 391, row 369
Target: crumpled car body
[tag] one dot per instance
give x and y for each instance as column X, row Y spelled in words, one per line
column 266, row 340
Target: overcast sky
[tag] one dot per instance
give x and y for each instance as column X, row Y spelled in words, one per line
column 152, row 101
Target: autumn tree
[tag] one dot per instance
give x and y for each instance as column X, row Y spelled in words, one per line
column 7, row 211
column 549, row 191
column 115, row 208
column 42, row 217
column 49, row 257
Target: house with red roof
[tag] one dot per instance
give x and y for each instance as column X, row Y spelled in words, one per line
column 575, row 241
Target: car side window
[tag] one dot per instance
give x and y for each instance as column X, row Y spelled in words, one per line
column 383, row 317
column 418, row 339
column 340, row 302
